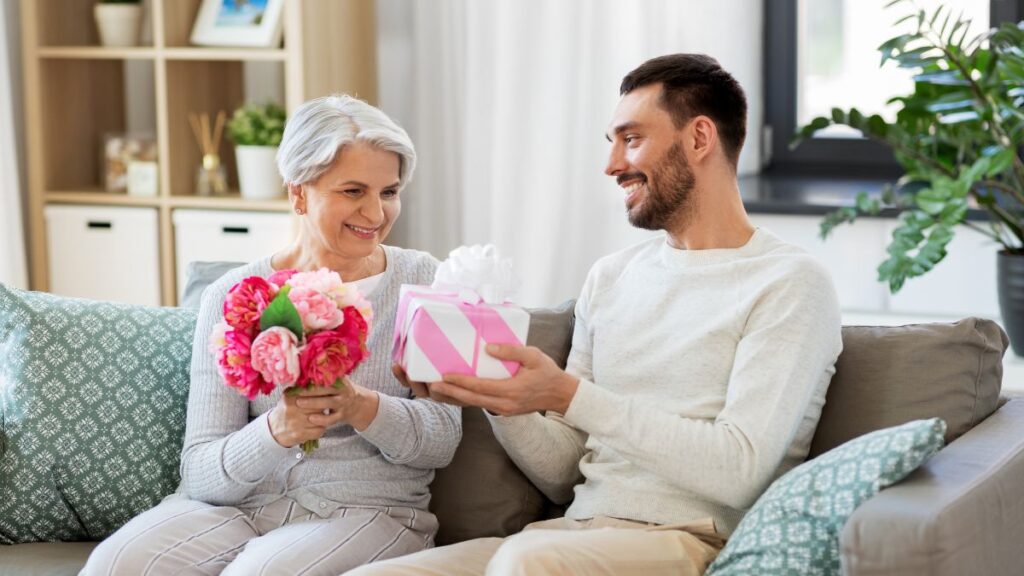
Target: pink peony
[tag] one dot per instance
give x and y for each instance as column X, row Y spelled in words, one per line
column 358, row 327
column 245, row 302
column 330, row 355
column 280, row 277
column 218, row 338
column 275, row 355
column 324, row 281
column 317, row 310
column 235, row 365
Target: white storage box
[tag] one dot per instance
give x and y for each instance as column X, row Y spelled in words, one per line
column 104, row 253
column 219, row 235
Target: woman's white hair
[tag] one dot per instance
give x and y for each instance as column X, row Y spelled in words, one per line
column 318, row 130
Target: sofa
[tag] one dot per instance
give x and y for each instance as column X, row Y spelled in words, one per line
column 962, row 512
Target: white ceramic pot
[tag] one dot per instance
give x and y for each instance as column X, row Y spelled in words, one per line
column 258, row 177
column 118, row 23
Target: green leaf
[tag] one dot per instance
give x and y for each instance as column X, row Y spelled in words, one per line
column 930, row 201
column 808, row 131
column 877, row 126
column 956, row 100
column 934, row 249
column 954, row 212
column 281, row 312
column 959, row 117
column 960, row 23
column 844, row 215
column 976, row 171
column 896, row 44
column 1001, row 162
column 945, row 23
column 894, row 270
column 867, row 205
column 943, row 78
column 904, row 19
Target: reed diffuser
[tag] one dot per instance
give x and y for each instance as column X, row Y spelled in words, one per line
column 211, row 179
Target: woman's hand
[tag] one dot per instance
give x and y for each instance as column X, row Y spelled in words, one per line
column 421, row 389
column 307, row 415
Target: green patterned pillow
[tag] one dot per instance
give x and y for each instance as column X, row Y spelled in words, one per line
column 93, row 398
column 794, row 527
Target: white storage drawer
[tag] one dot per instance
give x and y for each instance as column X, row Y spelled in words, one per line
column 104, row 253
column 219, row 235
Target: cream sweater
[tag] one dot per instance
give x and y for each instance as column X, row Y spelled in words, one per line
column 702, row 377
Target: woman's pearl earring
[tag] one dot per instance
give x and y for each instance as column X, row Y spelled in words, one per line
column 300, row 211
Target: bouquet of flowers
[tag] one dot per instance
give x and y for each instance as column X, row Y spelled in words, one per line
column 293, row 330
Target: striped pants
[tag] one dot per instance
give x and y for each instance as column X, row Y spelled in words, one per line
column 188, row 537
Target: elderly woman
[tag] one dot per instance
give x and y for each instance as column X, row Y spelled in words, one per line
column 256, row 504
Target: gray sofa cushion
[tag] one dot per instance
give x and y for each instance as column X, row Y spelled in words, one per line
column 482, row 493
column 889, row 375
column 199, row 276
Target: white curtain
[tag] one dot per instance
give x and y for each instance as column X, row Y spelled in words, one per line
column 12, row 240
column 508, row 101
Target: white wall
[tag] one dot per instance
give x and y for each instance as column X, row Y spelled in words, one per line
column 963, row 284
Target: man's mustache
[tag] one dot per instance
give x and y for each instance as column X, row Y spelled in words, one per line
column 630, row 176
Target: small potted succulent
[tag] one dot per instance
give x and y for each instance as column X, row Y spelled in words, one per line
column 256, row 131
column 118, row 22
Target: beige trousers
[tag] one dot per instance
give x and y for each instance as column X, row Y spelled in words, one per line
column 562, row 546
column 183, row 536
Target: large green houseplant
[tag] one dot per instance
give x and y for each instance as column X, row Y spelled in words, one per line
column 959, row 138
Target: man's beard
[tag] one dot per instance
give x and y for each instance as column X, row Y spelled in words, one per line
column 667, row 202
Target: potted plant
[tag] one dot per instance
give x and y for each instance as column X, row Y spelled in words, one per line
column 256, row 131
column 118, row 22
column 959, row 137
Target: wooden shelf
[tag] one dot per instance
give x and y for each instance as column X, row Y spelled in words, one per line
column 100, row 197
column 241, row 54
column 97, row 53
column 230, row 202
column 78, row 92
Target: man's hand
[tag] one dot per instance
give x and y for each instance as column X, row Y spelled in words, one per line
column 538, row 386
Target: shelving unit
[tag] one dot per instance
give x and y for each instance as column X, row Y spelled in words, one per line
column 75, row 93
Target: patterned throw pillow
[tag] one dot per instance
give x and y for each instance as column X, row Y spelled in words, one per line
column 93, row 398
column 794, row 527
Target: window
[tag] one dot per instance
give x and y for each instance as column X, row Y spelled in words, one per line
column 822, row 54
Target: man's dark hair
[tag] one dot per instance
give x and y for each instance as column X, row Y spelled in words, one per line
column 694, row 85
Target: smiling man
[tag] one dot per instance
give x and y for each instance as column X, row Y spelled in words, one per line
column 699, row 363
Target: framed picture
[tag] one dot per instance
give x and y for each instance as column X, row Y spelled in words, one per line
column 248, row 23
column 121, row 150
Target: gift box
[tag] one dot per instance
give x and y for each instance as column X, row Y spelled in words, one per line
column 442, row 331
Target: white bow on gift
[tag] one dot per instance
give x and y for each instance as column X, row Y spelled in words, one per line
column 476, row 273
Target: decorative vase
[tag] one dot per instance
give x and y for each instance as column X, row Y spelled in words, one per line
column 258, row 177
column 1010, row 277
column 118, row 23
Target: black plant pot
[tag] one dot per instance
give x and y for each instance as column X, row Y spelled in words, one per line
column 1010, row 273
